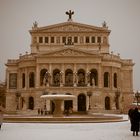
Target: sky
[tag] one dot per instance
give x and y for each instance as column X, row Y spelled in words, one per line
column 122, row 17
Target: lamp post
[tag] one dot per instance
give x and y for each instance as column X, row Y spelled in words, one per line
column 137, row 95
column 89, row 94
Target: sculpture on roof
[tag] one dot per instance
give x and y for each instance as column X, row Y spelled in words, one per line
column 35, row 24
column 70, row 13
column 104, row 24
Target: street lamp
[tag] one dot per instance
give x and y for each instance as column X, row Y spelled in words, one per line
column 137, row 95
column 89, row 94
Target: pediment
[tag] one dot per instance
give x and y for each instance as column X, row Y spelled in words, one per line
column 68, row 52
column 70, row 27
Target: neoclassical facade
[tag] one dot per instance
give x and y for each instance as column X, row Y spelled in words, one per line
column 69, row 58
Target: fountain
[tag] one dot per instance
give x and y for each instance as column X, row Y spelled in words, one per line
column 58, row 100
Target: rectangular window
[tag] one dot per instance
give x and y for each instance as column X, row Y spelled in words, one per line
column 13, row 80
column 40, row 39
column 46, row 40
column 58, row 40
column 99, row 39
column 23, row 80
column 93, row 39
column 75, row 39
column 87, row 39
column 64, row 39
column 52, row 39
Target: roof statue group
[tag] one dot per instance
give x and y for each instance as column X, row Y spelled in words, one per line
column 70, row 13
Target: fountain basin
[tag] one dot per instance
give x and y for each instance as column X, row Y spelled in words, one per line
column 58, row 99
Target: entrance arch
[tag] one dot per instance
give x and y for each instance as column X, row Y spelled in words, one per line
column 31, row 103
column 52, row 107
column 68, row 103
column 81, row 102
column 107, row 103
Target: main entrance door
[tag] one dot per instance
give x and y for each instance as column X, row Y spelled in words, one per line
column 81, row 102
column 68, row 104
column 31, row 103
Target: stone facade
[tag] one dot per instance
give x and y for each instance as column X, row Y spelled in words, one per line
column 69, row 58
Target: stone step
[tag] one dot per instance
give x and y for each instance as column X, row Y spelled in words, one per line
column 65, row 119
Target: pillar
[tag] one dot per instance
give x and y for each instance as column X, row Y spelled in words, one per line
column 37, row 77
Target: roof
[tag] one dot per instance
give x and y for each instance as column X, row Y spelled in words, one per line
column 69, row 27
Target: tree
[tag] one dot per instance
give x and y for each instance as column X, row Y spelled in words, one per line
column 2, row 94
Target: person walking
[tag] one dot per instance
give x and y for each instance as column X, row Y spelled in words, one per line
column 130, row 112
column 135, row 120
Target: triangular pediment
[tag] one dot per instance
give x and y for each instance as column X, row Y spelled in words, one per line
column 68, row 52
column 70, row 27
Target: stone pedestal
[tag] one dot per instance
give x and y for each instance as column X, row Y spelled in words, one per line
column 58, row 111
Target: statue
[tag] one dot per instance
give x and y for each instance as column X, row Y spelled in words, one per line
column 93, row 82
column 75, row 78
column 69, row 42
column 104, row 24
column 70, row 13
column 57, row 79
column 35, row 24
column 46, row 80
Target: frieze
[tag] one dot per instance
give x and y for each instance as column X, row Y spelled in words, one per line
column 69, row 52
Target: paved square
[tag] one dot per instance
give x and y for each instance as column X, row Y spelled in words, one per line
column 67, row 131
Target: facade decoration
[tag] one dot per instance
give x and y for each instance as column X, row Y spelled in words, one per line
column 69, row 58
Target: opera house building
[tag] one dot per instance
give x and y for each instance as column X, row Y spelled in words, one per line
column 74, row 59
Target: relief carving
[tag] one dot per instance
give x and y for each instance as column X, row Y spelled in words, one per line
column 69, row 53
column 70, row 28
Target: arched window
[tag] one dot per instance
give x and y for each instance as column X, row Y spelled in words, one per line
column 106, row 79
column 23, row 80
column 31, row 79
column 81, row 77
column 68, row 77
column 107, row 103
column 115, row 80
column 42, row 74
column 56, row 77
column 94, row 77
column 31, row 103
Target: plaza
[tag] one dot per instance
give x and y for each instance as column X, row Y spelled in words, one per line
column 69, row 131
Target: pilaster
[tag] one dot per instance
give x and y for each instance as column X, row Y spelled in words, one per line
column 37, row 76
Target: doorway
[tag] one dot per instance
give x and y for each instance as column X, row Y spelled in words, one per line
column 82, row 102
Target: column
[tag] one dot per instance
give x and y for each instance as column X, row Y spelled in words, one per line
column 37, row 76
column 51, row 74
column 19, row 86
column 62, row 74
column 111, row 79
column 87, row 76
column 75, row 76
column 100, row 77
column 26, row 78
column 7, row 76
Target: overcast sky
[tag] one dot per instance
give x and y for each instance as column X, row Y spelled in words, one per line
column 122, row 17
